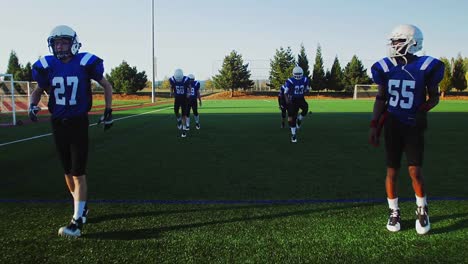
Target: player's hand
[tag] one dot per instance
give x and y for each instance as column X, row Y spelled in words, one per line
column 32, row 112
column 374, row 138
column 106, row 119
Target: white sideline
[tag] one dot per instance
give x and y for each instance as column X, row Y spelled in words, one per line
column 49, row 134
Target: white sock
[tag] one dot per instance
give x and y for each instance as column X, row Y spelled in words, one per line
column 79, row 208
column 421, row 201
column 293, row 130
column 197, row 119
column 393, row 203
column 188, row 121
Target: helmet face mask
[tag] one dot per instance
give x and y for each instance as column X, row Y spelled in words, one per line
column 405, row 39
column 59, row 36
column 298, row 73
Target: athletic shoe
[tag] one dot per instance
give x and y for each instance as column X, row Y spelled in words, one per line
column 298, row 123
column 186, row 128
column 293, row 138
column 183, row 134
column 393, row 223
column 422, row 222
column 197, row 125
column 84, row 217
column 73, row 229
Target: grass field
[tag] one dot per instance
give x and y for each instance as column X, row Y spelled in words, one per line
column 236, row 191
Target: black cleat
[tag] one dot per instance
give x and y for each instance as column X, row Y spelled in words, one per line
column 293, row 138
column 422, row 222
column 394, row 220
column 73, row 229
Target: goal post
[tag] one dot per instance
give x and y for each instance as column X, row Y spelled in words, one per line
column 365, row 91
column 15, row 97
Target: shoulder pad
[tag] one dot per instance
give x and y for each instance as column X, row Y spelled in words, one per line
column 88, row 59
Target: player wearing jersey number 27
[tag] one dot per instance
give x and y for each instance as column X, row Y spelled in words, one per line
column 66, row 76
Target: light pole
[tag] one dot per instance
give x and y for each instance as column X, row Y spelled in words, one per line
column 152, row 46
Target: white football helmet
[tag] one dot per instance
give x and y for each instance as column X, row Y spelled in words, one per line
column 178, row 75
column 67, row 32
column 298, row 73
column 191, row 77
column 413, row 40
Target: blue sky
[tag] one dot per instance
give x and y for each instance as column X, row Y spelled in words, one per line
column 196, row 35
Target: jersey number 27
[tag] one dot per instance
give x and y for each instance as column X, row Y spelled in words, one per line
column 59, row 91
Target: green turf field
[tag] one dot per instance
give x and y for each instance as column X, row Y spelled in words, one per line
column 236, row 191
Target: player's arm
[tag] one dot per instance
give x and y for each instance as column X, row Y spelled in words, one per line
column 199, row 97
column 107, row 91
column 106, row 119
column 433, row 100
column 378, row 115
column 35, row 99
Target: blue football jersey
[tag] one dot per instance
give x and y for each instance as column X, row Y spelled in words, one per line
column 296, row 88
column 281, row 91
column 407, row 84
column 194, row 88
column 69, row 83
column 180, row 88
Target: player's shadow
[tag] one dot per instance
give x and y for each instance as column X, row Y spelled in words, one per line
column 156, row 232
column 458, row 222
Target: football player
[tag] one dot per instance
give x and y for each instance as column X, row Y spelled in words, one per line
column 66, row 76
column 294, row 89
column 192, row 104
column 408, row 89
column 282, row 105
column 180, row 88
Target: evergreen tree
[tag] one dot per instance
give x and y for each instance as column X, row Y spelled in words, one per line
column 234, row 74
column 26, row 73
column 446, row 83
column 281, row 67
column 318, row 74
column 126, row 79
column 335, row 80
column 14, row 67
column 355, row 73
column 458, row 75
column 303, row 62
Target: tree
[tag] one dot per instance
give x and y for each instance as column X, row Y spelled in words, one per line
column 234, row 74
column 318, row 74
column 303, row 62
column 446, row 83
column 355, row 73
column 26, row 73
column 458, row 75
column 166, row 85
column 209, row 85
column 14, row 66
column 281, row 67
column 335, row 79
column 126, row 79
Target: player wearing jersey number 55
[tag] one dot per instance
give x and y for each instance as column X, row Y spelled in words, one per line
column 405, row 82
column 67, row 76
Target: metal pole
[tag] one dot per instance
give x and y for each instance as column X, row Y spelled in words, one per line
column 152, row 46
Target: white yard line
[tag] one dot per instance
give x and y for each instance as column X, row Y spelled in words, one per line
column 49, row 134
